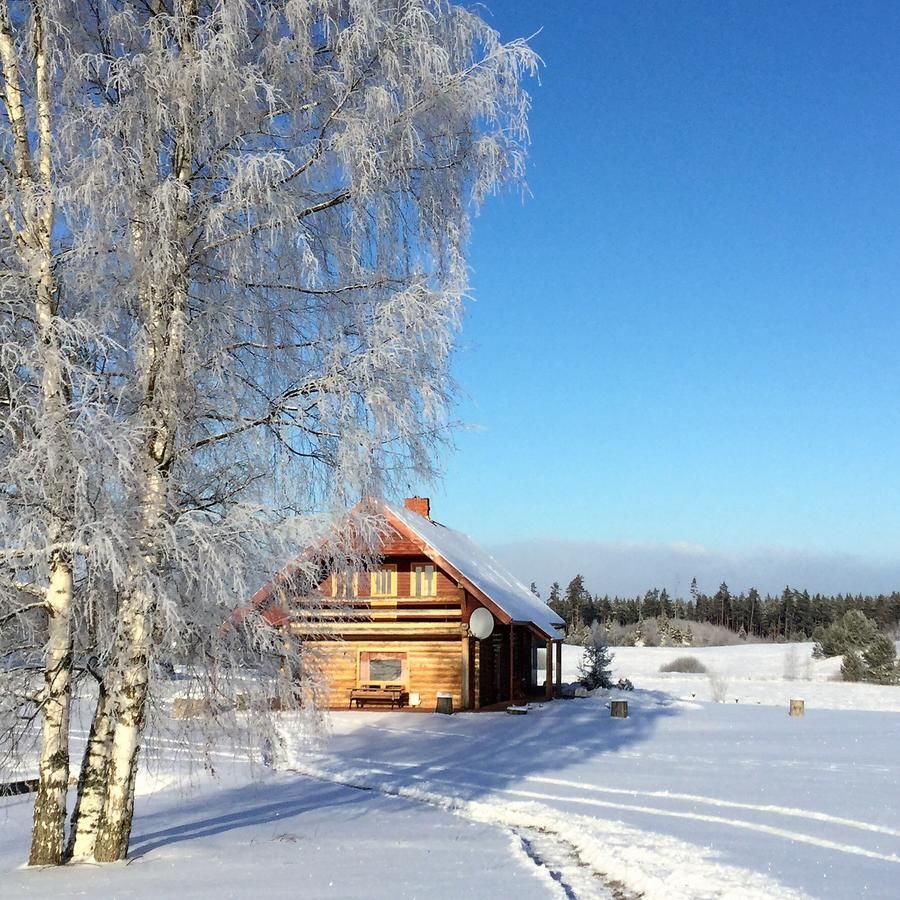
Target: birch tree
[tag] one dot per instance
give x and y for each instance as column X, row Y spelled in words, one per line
column 276, row 199
column 41, row 422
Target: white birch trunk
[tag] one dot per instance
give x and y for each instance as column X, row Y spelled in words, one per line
column 35, row 236
column 92, row 781
column 48, row 830
column 114, row 830
column 133, row 673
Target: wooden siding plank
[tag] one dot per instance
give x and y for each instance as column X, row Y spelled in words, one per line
column 397, row 627
column 375, row 615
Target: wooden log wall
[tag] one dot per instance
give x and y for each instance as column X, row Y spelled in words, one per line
column 430, row 630
column 432, row 666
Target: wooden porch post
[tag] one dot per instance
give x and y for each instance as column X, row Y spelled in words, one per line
column 512, row 676
column 466, row 692
column 477, row 675
column 558, row 666
column 548, row 671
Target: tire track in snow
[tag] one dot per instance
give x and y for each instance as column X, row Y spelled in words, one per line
column 628, row 862
column 794, row 812
column 760, row 828
column 772, row 830
column 526, row 845
column 806, row 765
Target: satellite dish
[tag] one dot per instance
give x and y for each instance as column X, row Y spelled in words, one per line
column 481, row 623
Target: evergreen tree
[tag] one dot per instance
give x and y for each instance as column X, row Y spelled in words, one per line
column 604, row 608
column 594, row 671
column 534, row 590
column 804, row 615
column 650, row 605
column 554, row 600
column 852, row 668
column 666, row 607
column 753, row 602
column 722, row 607
column 788, row 603
column 880, row 661
column 854, row 631
column 574, row 602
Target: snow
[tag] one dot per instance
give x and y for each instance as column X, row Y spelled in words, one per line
column 488, row 575
column 684, row 799
column 753, row 673
column 231, row 835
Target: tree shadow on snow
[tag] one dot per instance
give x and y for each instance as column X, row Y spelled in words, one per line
column 468, row 755
column 237, row 808
column 480, row 753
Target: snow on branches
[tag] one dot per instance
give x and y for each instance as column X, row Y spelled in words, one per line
column 233, row 241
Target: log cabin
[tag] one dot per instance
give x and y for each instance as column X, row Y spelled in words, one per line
column 404, row 632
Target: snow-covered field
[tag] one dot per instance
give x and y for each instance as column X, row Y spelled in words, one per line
column 685, row 799
column 768, row 674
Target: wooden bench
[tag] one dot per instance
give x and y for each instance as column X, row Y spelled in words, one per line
column 376, row 693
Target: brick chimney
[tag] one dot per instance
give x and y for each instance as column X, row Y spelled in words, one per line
column 420, row 505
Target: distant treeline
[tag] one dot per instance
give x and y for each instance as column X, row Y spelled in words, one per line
column 792, row 615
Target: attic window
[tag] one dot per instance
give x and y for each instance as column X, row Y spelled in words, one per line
column 344, row 584
column 384, row 582
column 423, row 581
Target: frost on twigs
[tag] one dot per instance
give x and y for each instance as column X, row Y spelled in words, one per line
column 718, row 686
column 233, row 241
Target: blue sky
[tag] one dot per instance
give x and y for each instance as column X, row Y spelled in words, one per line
column 687, row 334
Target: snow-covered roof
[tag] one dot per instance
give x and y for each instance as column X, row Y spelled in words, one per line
column 480, row 568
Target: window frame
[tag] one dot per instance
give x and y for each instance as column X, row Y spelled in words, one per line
column 385, row 569
column 413, row 580
column 354, row 585
column 363, row 661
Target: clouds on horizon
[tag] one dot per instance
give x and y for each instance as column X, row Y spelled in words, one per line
column 628, row 569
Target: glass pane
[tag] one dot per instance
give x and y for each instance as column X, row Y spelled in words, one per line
column 383, row 582
column 385, row 669
column 423, row 581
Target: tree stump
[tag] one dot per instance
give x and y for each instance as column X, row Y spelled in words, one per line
column 618, row 709
column 798, row 707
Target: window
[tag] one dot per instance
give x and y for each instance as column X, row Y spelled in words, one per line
column 383, row 667
column 344, row 584
column 384, row 582
column 423, row 581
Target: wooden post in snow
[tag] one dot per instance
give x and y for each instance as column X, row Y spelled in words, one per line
column 548, row 671
column 466, row 671
column 477, row 676
column 618, row 709
column 558, row 667
column 797, row 708
column 512, row 676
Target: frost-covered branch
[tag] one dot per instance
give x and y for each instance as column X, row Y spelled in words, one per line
column 232, row 270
